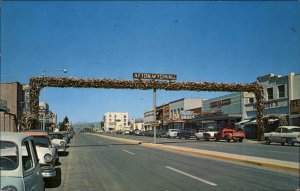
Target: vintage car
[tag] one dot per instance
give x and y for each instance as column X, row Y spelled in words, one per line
column 171, row 133
column 46, row 152
column 20, row 169
column 283, row 135
column 58, row 140
column 186, row 133
column 205, row 134
column 228, row 134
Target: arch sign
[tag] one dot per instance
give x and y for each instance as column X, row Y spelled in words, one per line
column 37, row 83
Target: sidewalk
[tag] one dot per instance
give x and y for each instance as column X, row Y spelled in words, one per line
column 271, row 163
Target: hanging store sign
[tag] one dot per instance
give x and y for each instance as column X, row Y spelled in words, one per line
column 248, row 95
column 154, row 76
column 220, row 103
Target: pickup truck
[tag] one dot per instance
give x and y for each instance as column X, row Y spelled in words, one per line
column 283, row 135
column 229, row 134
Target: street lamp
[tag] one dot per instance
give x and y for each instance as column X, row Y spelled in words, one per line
column 44, row 75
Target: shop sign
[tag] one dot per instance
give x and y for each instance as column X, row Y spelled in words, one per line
column 154, row 76
column 175, row 117
column 248, row 95
column 187, row 115
column 43, row 107
column 212, row 112
column 271, row 104
column 220, row 103
column 295, row 106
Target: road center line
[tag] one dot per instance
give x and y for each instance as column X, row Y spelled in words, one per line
column 191, row 176
column 128, row 152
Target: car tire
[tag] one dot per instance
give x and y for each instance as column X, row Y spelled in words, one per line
column 290, row 142
column 268, row 141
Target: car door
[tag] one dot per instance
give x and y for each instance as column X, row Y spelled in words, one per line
column 33, row 178
column 276, row 136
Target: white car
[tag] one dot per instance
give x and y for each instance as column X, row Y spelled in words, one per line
column 284, row 134
column 58, row 140
column 20, row 169
column 46, row 152
column 205, row 134
column 171, row 133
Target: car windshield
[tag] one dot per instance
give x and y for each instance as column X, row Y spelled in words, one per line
column 8, row 155
column 41, row 141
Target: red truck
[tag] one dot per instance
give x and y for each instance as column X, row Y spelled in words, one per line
column 229, row 134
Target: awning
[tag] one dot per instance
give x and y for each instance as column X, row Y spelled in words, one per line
column 272, row 120
column 253, row 122
column 241, row 122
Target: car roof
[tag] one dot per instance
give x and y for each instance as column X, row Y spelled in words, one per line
column 12, row 136
column 36, row 133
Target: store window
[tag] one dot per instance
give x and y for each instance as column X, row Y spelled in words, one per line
column 270, row 93
column 281, row 91
column 251, row 100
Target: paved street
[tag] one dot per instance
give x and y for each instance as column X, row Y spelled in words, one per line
column 96, row 163
column 249, row 148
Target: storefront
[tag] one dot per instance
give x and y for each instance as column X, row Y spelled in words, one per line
column 295, row 112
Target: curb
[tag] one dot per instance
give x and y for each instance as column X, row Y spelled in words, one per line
column 271, row 163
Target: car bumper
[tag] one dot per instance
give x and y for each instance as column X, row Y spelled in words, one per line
column 62, row 149
column 48, row 171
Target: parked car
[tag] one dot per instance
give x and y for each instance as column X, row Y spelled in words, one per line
column 171, row 133
column 229, row 134
column 149, row 133
column 161, row 133
column 46, row 152
column 126, row 132
column 20, row 169
column 57, row 139
column 66, row 135
column 206, row 134
column 137, row 132
column 186, row 133
column 284, row 134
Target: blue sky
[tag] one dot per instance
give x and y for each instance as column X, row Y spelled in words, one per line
column 231, row 42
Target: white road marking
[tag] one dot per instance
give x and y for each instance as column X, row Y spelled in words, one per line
column 191, row 176
column 128, row 152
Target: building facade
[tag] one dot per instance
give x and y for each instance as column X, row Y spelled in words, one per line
column 115, row 121
column 171, row 115
column 148, row 119
column 12, row 93
column 281, row 95
column 224, row 110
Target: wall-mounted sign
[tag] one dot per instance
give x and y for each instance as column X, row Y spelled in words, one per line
column 248, row 95
column 212, row 112
column 295, row 106
column 187, row 115
column 154, row 76
column 220, row 103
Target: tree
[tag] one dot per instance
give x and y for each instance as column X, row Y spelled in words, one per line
column 64, row 125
